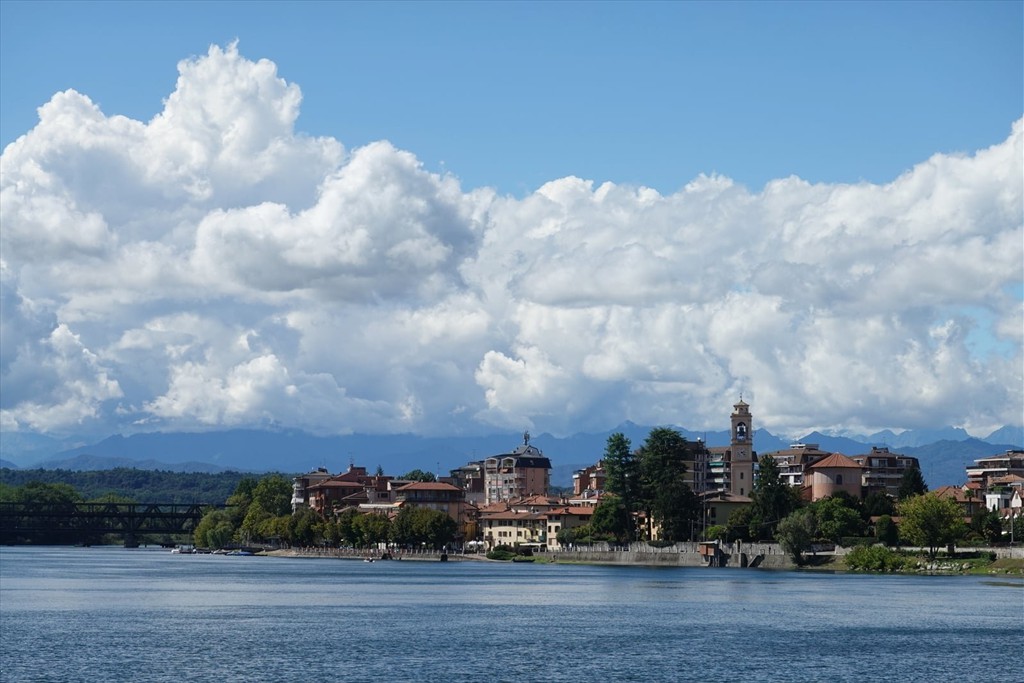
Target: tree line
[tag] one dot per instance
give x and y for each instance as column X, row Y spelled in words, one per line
column 647, row 490
column 129, row 484
column 259, row 512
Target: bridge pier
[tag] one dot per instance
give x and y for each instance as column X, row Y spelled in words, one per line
column 130, row 541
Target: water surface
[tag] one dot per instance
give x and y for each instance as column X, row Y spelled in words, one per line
column 110, row 614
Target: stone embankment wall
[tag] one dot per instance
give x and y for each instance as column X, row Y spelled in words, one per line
column 763, row 555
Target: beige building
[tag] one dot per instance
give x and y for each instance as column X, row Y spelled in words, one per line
column 831, row 475
column 523, row 472
column 522, row 521
column 434, row 495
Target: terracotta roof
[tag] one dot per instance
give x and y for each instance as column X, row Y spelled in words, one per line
column 956, row 493
column 835, row 461
column 428, row 486
column 579, row 511
column 337, row 484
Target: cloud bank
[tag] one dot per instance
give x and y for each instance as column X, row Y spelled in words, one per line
column 214, row 267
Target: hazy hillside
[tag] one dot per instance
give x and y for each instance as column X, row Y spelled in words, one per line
column 290, row 451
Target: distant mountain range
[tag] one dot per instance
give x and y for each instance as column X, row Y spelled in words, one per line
column 944, row 453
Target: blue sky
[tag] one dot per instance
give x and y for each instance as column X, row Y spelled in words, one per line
column 512, row 95
column 453, row 218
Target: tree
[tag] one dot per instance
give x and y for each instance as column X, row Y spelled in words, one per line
column 255, row 516
column 274, row 494
column 666, row 497
column 796, row 532
column 55, row 495
column 738, row 525
column 611, row 517
column 773, row 499
column 373, row 528
column 987, row 524
column 836, row 518
column 877, row 504
column 214, row 530
column 912, row 483
column 419, row 475
column 930, row 522
column 622, row 476
column 886, row 532
column 305, row 527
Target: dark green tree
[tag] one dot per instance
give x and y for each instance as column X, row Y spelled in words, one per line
column 912, row 483
column 56, row 495
column 373, row 528
column 877, row 504
column 987, row 524
column 622, row 473
column 738, row 525
column 773, row 499
column 886, row 531
column 837, row 518
column 666, row 497
column 305, row 528
column 611, row 517
column 419, row 475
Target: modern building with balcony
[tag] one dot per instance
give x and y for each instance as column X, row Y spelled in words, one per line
column 882, row 471
column 523, row 472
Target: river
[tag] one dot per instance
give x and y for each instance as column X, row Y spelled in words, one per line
column 110, row 614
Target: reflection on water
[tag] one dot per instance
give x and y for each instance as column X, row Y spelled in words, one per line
column 109, row 614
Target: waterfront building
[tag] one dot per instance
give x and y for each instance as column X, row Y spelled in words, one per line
column 435, row 495
column 1002, row 491
column 354, row 488
column 523, row 472
column 588, row 482
column 470, row 478
column 301, row 484
column 567, row 517
column 962, row 496
column 882, row 471
column 795, row 460
column 718, row 505
column 987, row 469
column 831, row 475
column 522, row 521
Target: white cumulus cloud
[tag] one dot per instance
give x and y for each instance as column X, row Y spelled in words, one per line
column 215, row 267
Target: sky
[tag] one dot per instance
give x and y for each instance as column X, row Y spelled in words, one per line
column 462, row 218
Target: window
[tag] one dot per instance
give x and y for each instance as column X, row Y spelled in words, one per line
column 839, row 479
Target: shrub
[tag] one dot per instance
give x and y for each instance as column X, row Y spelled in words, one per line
column 660, row 544
column 875, row 558
column 497, row 554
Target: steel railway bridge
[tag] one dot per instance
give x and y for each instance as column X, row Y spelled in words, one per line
column 89, row 522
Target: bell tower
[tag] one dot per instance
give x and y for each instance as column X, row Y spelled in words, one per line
column 741, row 451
